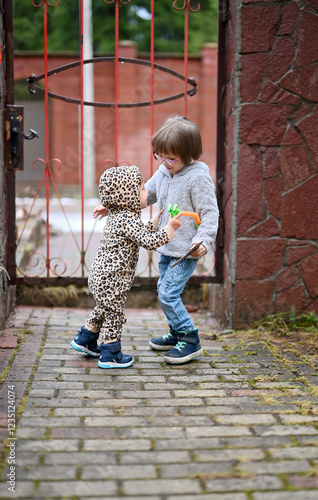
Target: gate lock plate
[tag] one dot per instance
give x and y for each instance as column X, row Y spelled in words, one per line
column 16, row 136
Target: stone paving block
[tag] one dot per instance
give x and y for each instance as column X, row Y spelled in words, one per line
column 49, row 422
column 114, row 402
column 119, row 471
column 152, row 432
column 143, row 394
column 46, row 364
column 117, row 445
column 240, row 454
column 61, row 369
column 257, row 442
column 297, row 452
column 298, row 419
column 84, row 412
column 200, row 393
column 185, row 421
column 28, row 457
column 161, row 486
column 265, row 482
column 246, row 419
column 82, row 433
column 48, row 445
column 58, row 385
column 217, row 430
column 303, row 482
column 208, row 410
column 23, row 489
column 146, row 411
column 128, row 497
column 189, row 444
column 30, row 433
column 199, row 470
column 116, row 421
column 230, row 400
column 268, row 408
column 286, row 495
column 115, row 386
column 154, row 457
column 46, row 472
column 85, row 393
column 211, row 496
column 282, row 467
column 307, row 440
column 53, row 377
column 76, row 488
column 174, row 401
column 282, row 430
column 80, row 458
column 51, row 402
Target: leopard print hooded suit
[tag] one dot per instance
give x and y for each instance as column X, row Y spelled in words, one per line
column 113, row 269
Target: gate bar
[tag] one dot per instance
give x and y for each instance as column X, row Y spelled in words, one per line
column 82, row 133
column 10, row 174
column 47, row 152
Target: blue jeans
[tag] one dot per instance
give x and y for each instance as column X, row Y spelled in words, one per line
column 170, row 285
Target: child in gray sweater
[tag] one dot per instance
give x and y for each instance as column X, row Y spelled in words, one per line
column 183, row 180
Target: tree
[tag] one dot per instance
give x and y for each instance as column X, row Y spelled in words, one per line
column 134, row 24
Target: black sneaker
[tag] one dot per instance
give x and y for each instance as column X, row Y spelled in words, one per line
column 166, row 342
column 187, row 348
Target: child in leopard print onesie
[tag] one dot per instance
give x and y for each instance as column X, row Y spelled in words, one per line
column 122, row 193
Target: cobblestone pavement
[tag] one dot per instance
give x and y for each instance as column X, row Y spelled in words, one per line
column 236, row 424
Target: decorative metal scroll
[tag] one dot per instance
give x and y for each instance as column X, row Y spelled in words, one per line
column 34, row 88
column 186, row 4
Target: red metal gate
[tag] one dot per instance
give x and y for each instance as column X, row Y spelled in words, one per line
column 41, row 264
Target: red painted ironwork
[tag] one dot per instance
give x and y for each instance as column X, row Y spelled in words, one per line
column 186, row 7
column 82, row 133
column 152, row 76
column 51, row 264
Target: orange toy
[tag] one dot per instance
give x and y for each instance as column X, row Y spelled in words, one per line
column 174, row 210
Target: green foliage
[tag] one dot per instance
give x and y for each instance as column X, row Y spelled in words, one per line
column 282, row 323
column 134, row 25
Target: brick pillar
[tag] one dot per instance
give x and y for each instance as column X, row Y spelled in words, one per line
column 271, row 252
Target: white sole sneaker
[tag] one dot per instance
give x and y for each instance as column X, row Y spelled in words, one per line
column 185, row 359
column 84, row 350
column 157, row 347
column 111, row 364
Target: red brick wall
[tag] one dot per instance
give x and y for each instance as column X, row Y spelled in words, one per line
column 134, row 123
column 271, row 200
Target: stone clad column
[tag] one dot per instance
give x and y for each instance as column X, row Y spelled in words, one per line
column 271, row 143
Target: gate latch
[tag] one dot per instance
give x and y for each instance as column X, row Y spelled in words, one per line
column 16, row 136
column 16, row 130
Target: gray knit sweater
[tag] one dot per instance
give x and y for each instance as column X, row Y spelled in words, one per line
column 192, row 189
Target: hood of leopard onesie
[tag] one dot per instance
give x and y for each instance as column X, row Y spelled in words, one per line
column 119, row 188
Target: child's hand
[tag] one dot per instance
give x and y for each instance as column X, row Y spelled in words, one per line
column 199, row 252
column 155, row 219
column 100, row 212
column 175, row 222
